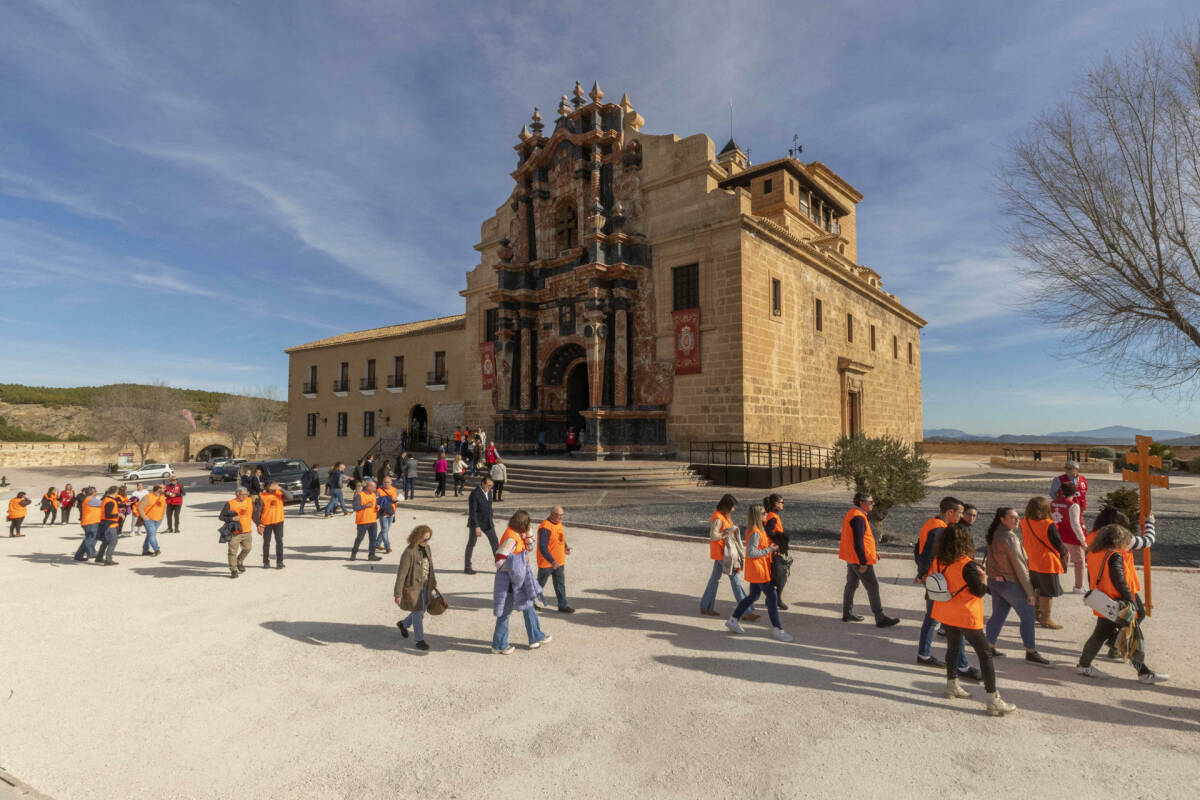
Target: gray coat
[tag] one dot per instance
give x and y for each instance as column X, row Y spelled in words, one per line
column 410, row 468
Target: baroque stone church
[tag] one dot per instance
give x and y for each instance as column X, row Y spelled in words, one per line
column 645, row 290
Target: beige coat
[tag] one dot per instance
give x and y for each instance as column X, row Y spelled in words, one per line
column 1006, row 559
column 415, row 572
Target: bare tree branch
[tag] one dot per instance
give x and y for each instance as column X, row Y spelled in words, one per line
column 141, row 415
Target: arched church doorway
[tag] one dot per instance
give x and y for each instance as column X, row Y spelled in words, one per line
column 418, row 426
column 577, row 395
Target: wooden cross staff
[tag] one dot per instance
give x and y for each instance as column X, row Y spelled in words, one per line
column 1142, row 459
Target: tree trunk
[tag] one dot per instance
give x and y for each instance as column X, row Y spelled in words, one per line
column 876, row 517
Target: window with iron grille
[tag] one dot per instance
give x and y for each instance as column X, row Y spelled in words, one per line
column 311, row 425
column 342, row 423
column 686, row 286
column 368, row 423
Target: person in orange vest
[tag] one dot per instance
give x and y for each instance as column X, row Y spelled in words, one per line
column 268, row 520
column 16, row 514
column 89, row 520
column 366, row 520
column 552, row 552
column 122, row 497
column 781, row 562
column 515, row 586
column 858, row 551
column 1108, row 573
column 950, row 511
column 962, row 613
column 1109, row 515
column 151, row 509
column 388, row 496
column 49, row 506
column 239, row 512
column 759, row 550
column 725, row 550
column 110, row 526
column 1046, row 553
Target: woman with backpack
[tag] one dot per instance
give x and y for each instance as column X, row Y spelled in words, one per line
column 1110, row 570
column 1009, row 584
column 957, row 588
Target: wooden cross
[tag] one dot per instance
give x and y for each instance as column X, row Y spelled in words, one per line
column 1142, row 459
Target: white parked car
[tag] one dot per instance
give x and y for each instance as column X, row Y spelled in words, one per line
column 147, row 471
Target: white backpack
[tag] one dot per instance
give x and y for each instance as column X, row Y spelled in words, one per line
column 937, row 588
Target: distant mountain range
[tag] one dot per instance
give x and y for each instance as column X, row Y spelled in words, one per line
column 1113, row 434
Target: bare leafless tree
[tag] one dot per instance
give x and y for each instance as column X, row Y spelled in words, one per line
column 253, row 417
column 1103, row 197
column 141, row 415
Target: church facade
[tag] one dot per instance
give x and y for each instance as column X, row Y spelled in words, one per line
column 646, row 291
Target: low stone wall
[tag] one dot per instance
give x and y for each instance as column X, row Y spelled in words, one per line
column 1096, row 467
column 55, row 454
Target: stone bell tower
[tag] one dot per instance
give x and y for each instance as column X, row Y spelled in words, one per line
column 574, row 329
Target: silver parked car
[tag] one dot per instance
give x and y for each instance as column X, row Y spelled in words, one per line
column 148, row 471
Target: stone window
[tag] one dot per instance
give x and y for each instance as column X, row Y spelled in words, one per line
column 566, row 318
column 368, row 423
column 686, row 286
column 849, row 327
column 910, row 353
column 566, row 227
column 791, row 186
column 396, row 379
column 872, row 338
column 310, row 428
column 767, row 186
column 776, row 297
column 819, row 313
column 342, row 423
column 491, row 324
column 895, row 347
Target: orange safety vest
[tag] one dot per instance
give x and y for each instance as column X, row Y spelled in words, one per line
column 557, row 545
column 53, row 498
column 15, row 509
column 518, row 541
column 152, row 507
column 110, row 502
column 390, row 491
column 272, row 507
column 89, row 514
column 1098, row 574
column 846, row 551
column 368, row 514
column 963, row 609
column 245, row 511
column 716, row 547
column 758, row 570
column 1035, row 535
column 772, row 515
column 931, row 525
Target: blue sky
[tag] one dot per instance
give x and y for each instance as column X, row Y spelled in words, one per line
column 188, row 188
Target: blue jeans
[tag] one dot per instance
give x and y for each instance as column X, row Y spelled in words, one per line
column 87, row 549
column 558, row 574
column 410, row 488
column 335, row 496
column 150, row 543
column 709, row 599
column 747, row 602
column 1006, row 595
column 315, row 496
column 925, row 641
column 385, row 522
column 415, row 619
column 500, row 636
column 369, row 530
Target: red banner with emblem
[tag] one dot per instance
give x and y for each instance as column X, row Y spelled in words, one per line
column 487, row 364
column 687, row 341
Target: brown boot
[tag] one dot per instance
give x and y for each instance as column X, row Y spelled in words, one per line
column 1047, row 622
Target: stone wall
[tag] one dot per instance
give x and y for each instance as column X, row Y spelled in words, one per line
column 55, row 454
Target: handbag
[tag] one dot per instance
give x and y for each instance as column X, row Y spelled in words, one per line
column 1102, row 604
column 225, row 532
column 437, row 603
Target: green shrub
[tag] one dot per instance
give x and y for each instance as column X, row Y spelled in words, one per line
column 1168, row 455
column 11, row 433
column 1102, row 452
column 1125, row 501
column 889, row 468
column 1194, row 465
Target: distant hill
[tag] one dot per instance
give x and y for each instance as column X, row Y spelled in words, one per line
column 1113, row 434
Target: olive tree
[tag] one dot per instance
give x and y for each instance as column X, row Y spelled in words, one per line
column 888, row 467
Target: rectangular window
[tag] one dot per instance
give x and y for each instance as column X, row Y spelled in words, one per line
column 819, row 313
column 344, row 371
column 310, row 385
column 910, row 353
column 686, row 285
column 872, row 338
column 310, row 428
column 776, row 297
column 396, row 379
column 438, row 376
column 491, row 323
column 341, row 423
column 791, row 186
column 368, row 381
column 767, row 186
column 895, row 347
column 368, row 423
column 849, row 327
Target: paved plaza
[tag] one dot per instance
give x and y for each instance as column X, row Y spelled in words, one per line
column 163, row 678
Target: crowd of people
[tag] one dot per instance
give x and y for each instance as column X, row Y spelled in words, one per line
column 1024, row 556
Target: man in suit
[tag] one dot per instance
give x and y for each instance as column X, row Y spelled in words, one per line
column 479, row 520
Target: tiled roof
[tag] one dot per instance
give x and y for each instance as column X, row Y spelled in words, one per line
column 422, row 326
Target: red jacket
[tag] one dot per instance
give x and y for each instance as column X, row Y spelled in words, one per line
column 174, row 494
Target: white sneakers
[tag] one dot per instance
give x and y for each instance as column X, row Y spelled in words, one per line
column 781, row 635
column 1089, row 672
column 734, row 626
column 1154, row 677
column 545, row 640
column 505, row 652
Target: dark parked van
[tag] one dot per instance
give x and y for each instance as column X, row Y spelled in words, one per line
column 287, row 472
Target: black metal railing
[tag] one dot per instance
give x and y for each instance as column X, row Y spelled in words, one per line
column 366, row 384
column 435, row 378
column 310, row 387
column 762, row 465
column 1047, row 453
column 395, row 382
column 341, row 386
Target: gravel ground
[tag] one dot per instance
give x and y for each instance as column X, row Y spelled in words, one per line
column 163, row 678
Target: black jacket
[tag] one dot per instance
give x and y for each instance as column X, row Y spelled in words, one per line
column 479, row 510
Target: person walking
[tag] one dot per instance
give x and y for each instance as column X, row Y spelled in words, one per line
column 17, row 510
column 49, row 506
column 759, row 551
column 950, row 511
column 1071, row 475
column 173, row 492
column 110, row 526
column 728, row 557
column 151, row 510
column 366, row 520
column 369, row 469
column 66, row 499
column 268, row 521
column 89, row 521
column 458, row 469
column 515, row 587
column 857, row 549
column 440, row 468
column 781, row 562
column 1009, row 584
column 962, row 614
column 240, row 513
column 415, row 579
column 1109, row 515
column 135, row 500
column 479, row 521
column 336, row 477
column 490, row 456
column 410, row 477
column 356, row 476
column 123, row 506
column 1108, row 562
column 385, row 471
column 499, row 473
column 1068, row 518
column 386, row 504
column 310, row 488
column 258, row 482
column 1046, row 553
column 552, row 552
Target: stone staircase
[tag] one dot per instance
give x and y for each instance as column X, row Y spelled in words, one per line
column 555, row 475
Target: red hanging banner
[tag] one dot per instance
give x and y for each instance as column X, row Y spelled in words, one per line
column 687, row 341
column 487, row 364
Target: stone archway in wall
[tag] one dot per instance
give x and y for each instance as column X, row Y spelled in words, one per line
column 418, row 426
column 214, row 451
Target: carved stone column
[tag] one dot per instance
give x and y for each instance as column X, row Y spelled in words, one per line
column 621, row 364
column 595, row 332
column 527, row 324
column 504, row 358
